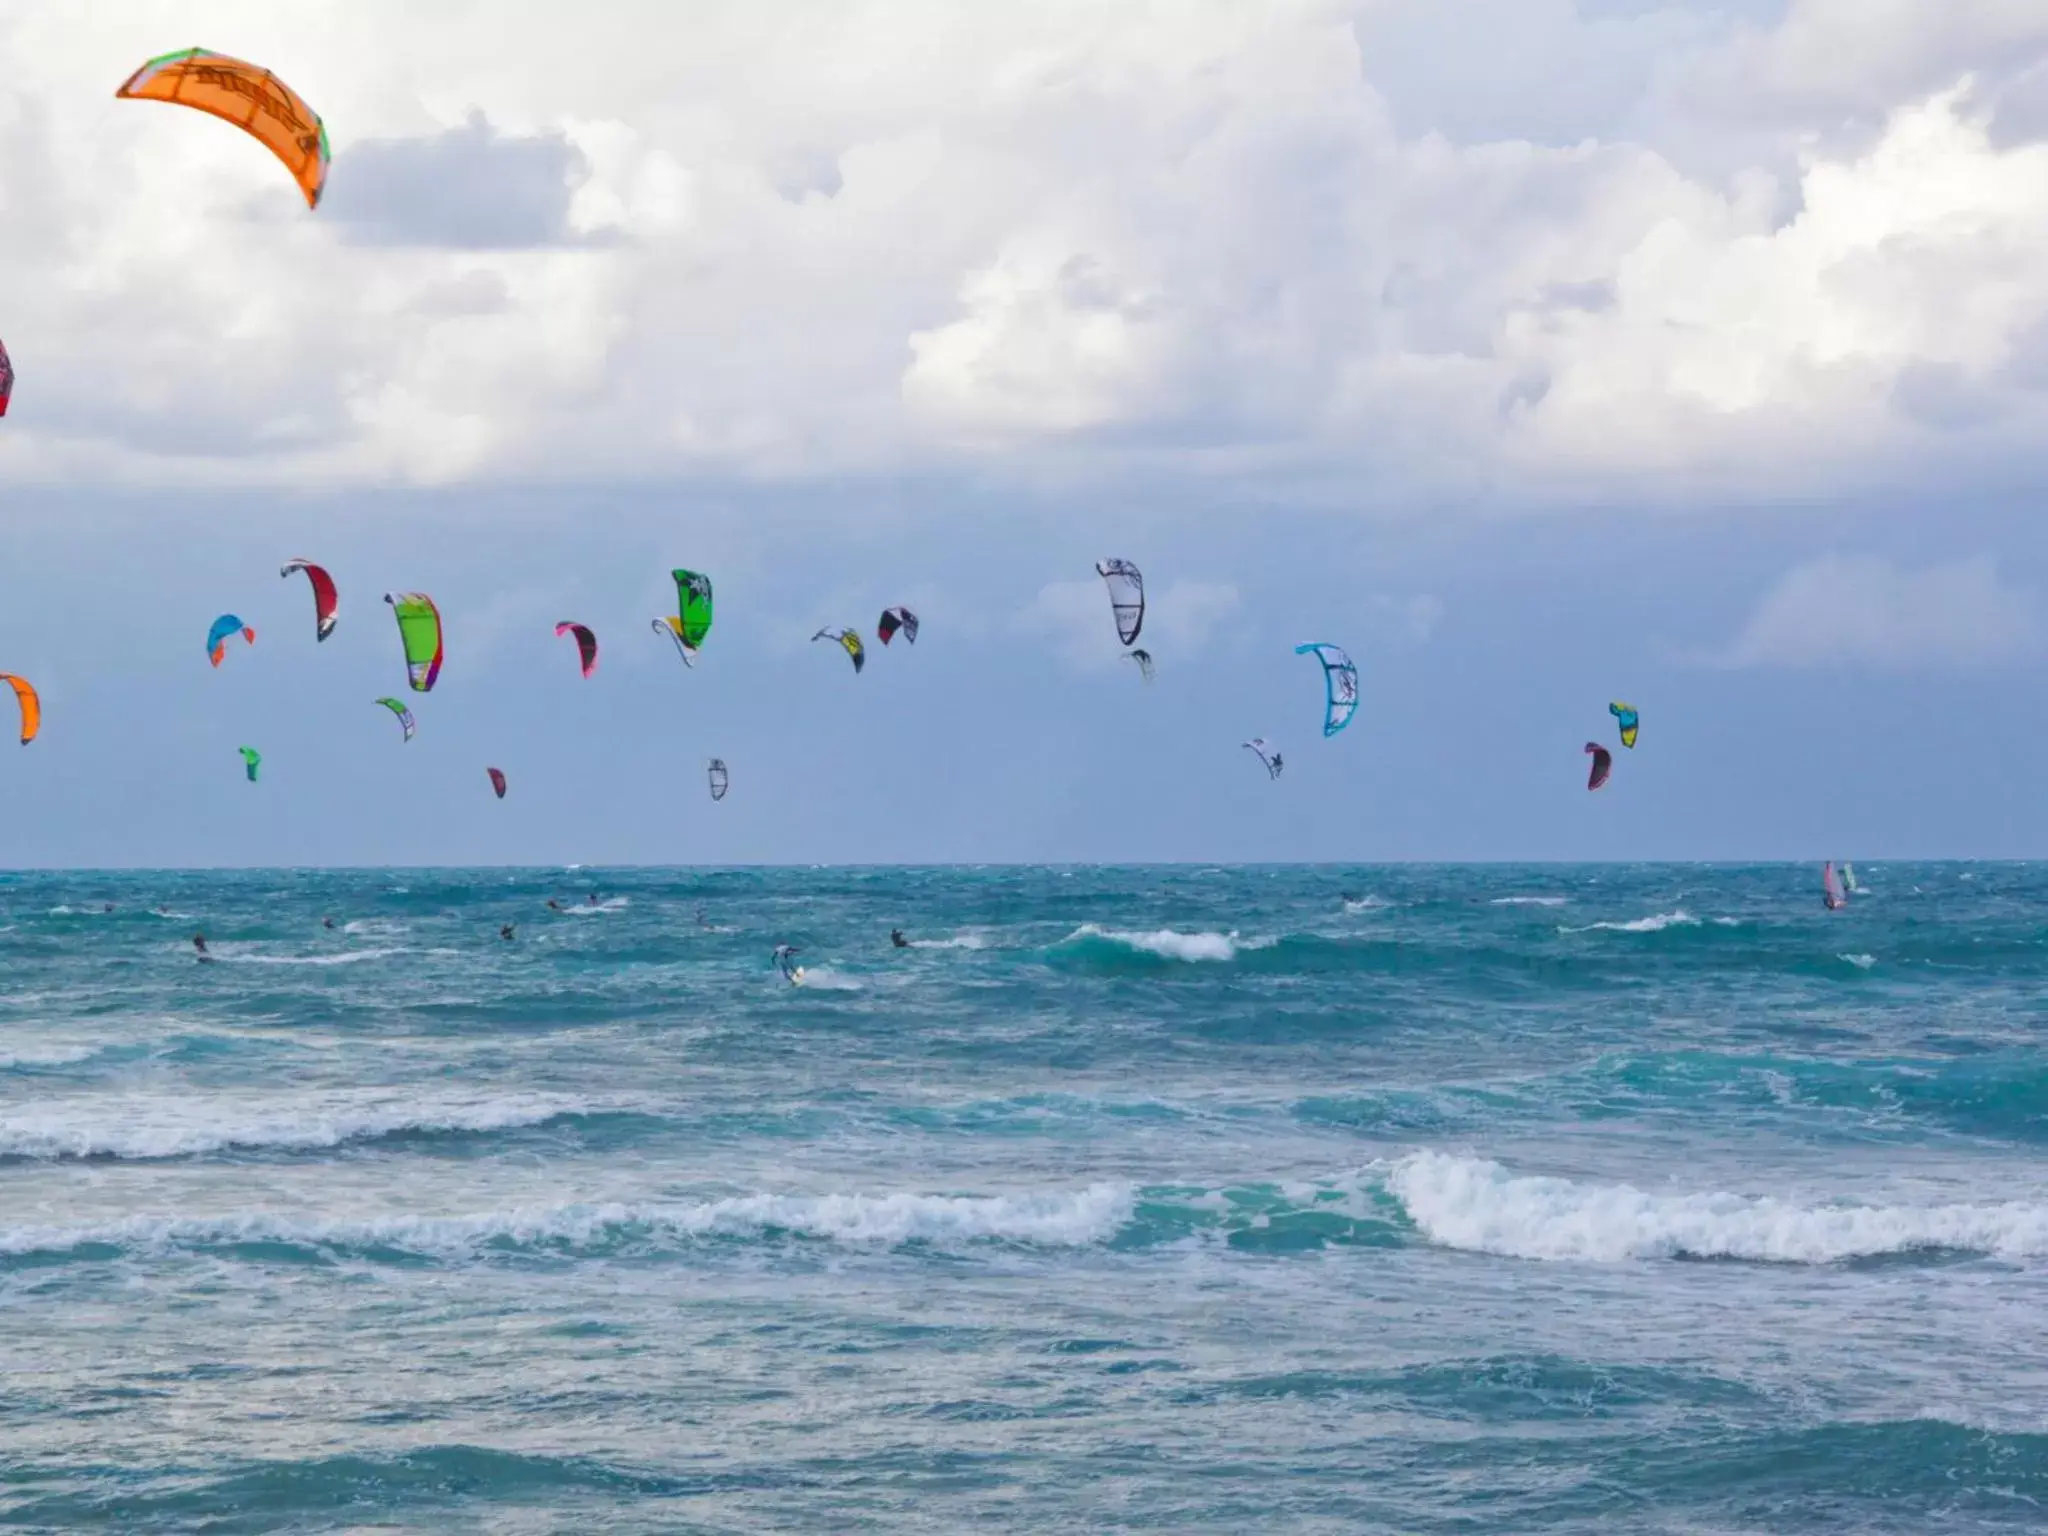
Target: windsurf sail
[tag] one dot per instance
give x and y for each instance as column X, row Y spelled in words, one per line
column 497, row 781
column 586, row 643
column 1267, row 756
column 718, row 777
column 222, row 630
column 1603, row 764
column 894, row 619
column 1625, row 716
column 1144, row 660
column 31, row 706
column 1126, row 596
column 1340, row 684
column 1831, row 888
column 1849, row 885
column 419, row 631
column 326, row 601
column 849, row 642
column 251, row 761
column 405, row 719
column 251, row 98
column 6, row 379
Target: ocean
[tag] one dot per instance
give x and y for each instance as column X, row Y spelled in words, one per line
column 1425, row 1199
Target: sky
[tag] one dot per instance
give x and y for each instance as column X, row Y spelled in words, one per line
column 1539, row 352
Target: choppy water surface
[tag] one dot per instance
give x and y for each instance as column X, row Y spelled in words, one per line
column 1435, row 1199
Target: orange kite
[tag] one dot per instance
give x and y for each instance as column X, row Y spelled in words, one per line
column 253, row 99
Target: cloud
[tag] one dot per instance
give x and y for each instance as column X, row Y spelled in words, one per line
column 1304, row 246
column 1181, row 619
column 1859, row 610
column 470, row 188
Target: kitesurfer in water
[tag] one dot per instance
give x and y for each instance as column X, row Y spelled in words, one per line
column 505, row 932
column 199, row 943
column 326, row 922
column 896, row 938
column 554, row 905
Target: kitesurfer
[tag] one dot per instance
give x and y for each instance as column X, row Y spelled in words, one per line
column 554, row 905
column 326, row 922
column 505, row 932
column 199, row 943
column 896, row 938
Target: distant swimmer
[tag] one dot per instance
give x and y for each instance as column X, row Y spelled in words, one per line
column 505, row 932
column 199, row 943
column 896, row 938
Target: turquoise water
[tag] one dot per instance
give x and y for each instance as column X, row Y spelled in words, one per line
column 1431, row 1199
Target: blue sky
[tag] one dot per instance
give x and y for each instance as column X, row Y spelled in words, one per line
column 1679, row 353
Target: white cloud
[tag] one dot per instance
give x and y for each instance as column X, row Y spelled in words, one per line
column 1074, row 619
column 1851, row 610
column 825, row 238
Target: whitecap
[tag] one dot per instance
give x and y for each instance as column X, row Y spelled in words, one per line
column 1167, row 943
column 1529, row 901
column 969, row 940
column 1475, row 1204
column 233, row 956
column 1861, row 962
column 1655, row 923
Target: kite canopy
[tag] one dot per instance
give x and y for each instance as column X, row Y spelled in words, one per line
column 31, row 706
column 405, row 719
column 419, row 631
column 251, row 761
column 848, row 639
column 1340, row 684
column 217, row 637
column 1144, row 660
column 1603, row 765
column 251, row 98
column 691, row 621
column 1625, row 715
column 497, row 781
column 6, row 379
column 325, row 599
column 586, row 643
column 1126, row 596
column 894, row 619
column 1267, row 756
column 718, row 778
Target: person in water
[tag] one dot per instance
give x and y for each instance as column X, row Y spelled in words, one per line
column 326, row 922
column 554, row 905
column 591, row 898
column 199, row 943
column 896, row 938
column 505, row 932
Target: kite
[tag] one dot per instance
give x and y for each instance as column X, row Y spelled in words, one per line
column 419, row 631
column 1126, row 596
column 1831, row 889
column 850, row 641
column 1267, row 756
column 325, row 599
column 692, row 619
column 404, row 715
column 1603, row 765
column 1144, row 660
column 1340, row 685
column 718, row 777
column 894, row 619
column 6, row 379
column 251, row 761
column 1626, row 715
column 251, row 98
column 586, row 643
column 31, row 706
column 497, row 781
column 217, row 637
